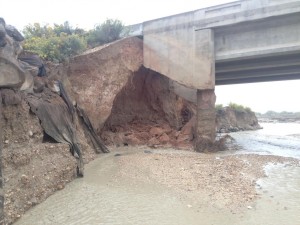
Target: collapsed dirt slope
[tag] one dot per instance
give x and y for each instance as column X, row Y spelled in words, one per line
column 147, row 111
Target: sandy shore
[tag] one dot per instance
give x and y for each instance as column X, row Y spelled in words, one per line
column 219, row 180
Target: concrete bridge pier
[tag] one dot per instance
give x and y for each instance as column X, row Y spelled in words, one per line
column 204, row 71
column 206, row 120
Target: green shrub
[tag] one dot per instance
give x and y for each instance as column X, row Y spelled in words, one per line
column 108, row 31
column 59, row 42
column 56, row 49
column 53, row 43
column 218, row 106
column 238, row 107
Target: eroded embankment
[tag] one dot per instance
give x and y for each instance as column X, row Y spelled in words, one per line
column 34, row 164
column 147, row 111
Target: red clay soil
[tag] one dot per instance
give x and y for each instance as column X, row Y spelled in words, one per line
column 147, row 112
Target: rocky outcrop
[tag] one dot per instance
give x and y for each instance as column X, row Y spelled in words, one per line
column 232, row 120
column 12, row 74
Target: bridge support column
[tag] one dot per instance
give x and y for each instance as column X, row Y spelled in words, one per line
column 1, row 178
column 206, row 120
column 206, row 98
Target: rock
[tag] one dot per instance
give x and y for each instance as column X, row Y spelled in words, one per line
column 183, row 138
column 2, row 35
column 156, row 131
column 2, row 21
column 39, row 85
column 24, row 179
column 30, row 133
column 153, row 142
column 10, row 97
column 12, row 75
column 131, row 140
column 6, row 141
column 60, row 186
column 164, row 138
column 14, row 33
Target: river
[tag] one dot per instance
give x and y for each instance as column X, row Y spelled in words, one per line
column 281, row 139
column 99, row 198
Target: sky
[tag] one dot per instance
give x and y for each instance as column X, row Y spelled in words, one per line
column 260, row 97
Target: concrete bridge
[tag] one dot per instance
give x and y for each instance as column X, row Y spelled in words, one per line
column 238, row 42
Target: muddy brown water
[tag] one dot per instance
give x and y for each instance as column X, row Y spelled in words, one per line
column 102, row 198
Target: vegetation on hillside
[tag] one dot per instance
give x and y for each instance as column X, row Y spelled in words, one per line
column 239, row 108
column 219, row 106
column 234, row 106
column 59, row 42
column 106, row 32
column 277, row 115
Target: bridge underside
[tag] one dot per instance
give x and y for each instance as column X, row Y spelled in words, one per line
column 240, row 42
column 259, row 69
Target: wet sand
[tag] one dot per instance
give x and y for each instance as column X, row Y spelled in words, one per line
column 221, row 181
column 166, row 186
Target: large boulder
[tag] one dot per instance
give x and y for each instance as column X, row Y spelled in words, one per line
column 12, row 75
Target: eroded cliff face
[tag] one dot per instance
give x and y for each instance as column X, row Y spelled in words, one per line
column 97, row 76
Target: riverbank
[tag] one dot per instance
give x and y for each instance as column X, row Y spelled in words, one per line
column 163, row 186
column 221, row 181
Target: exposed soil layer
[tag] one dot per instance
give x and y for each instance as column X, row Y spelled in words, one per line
column 34, row 164
column 97, row 76
column 148, row 112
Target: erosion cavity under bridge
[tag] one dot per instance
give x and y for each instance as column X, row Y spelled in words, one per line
column 239, row 42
